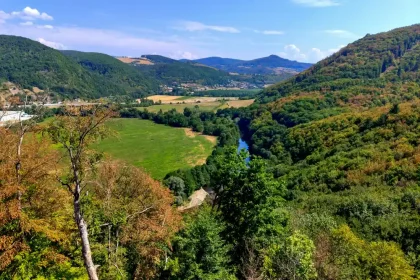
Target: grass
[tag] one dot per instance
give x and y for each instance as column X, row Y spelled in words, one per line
column 157, row 148
column 205, row 106
column 185, row 97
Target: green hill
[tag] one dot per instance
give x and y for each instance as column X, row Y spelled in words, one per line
column 127, row 77
column 374, row 60
column 344, row 138
column 169, row 70
column 32, row 64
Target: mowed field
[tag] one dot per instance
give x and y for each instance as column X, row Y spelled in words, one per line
column 208, row 106
column 168, row 99
column 204, row 103
column 157, row 148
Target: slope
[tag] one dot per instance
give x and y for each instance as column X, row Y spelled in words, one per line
column 373, row 60
column 31, row 64
column 126, row 77
column 344, row 135
column 169, row 70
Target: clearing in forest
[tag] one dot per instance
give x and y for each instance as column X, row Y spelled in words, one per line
column 159, row 149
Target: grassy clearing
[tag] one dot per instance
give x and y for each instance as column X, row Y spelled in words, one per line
column 208, row 106
column 157, row 148
column 240, row 103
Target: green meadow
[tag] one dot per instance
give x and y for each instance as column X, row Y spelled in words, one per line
column 157, row 148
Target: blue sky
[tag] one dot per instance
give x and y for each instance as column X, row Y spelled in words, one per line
column 304, row 30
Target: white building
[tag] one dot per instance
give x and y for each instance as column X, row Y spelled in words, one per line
column 13, row 116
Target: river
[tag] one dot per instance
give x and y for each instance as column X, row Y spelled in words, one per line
column 243, row 145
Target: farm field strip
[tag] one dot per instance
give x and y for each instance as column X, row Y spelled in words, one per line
column 167, row 99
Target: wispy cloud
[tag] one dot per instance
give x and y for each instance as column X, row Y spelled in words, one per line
column 313, row 55
column 103, row 40
column 270, row 32
column 26, row 23
column 46, row 26
column 341, row 33
column 317, row 3
column 51, row 44
column 193, row 26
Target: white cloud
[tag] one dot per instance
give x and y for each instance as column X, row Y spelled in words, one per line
column 27, row 13
column 270, row 32
column 293, row 52
column 184, row 55
column 198, row 26
column 4, row 16
column 340, row 33
column 313, row 55
column 51, row 44
column 27, row 23
column 317, row 3
column 46, row 26
column 105, row 41
column 30, row 13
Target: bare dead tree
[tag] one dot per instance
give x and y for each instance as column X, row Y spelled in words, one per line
column 74, row 131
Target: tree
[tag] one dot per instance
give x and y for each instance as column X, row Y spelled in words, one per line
column 199, row 252
column 176, row 185
column 349, row 257
column 34, row 231
column 74, row 131
column 249, row 200
column 291, row 259
column 130, row 209
column 395, row 109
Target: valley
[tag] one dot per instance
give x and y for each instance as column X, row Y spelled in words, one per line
column 190, row 166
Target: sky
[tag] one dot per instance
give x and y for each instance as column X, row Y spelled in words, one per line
column 302, row 30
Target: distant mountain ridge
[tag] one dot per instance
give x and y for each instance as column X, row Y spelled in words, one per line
column 168, row 70
column 272, row 64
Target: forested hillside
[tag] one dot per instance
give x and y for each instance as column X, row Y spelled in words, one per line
column 169, row 70
column 128, row 78
column 32, row 64
column 367, row 64
column 343, row 138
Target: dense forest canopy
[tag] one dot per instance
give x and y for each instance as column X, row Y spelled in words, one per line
column 370, row 63
column 169, row 70
column 115, row 71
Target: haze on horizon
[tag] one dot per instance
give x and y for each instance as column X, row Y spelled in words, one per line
column 302, row 30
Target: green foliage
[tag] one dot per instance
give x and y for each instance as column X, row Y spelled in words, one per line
column 177, row 186
column 241, row 93
column 291, row 259
column 358, row 259
column 32, row 64
column 369, row 61
column 127, row 78
column 249, row 199
column 199, row 252
column 43, row 262
column 169, row 71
